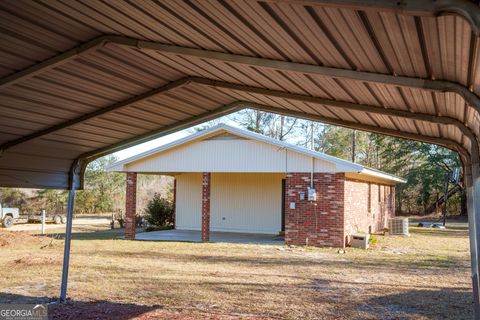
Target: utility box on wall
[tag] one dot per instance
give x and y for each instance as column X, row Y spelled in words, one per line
column 312, row 194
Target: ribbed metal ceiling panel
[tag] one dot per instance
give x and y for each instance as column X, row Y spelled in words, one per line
column 102, row 95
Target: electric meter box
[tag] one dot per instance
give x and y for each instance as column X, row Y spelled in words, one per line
column 312, row 194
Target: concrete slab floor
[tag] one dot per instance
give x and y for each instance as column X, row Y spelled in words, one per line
column 195, row 236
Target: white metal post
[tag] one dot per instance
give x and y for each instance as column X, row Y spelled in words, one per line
column 475, row 205
column 66, row 252
column 473, row 241
column 43, row 221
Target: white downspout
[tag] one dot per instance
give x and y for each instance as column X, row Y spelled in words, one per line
column 311, row 173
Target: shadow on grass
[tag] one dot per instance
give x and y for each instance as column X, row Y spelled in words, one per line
column 444, row 233
column 79, row 234
column 430, row 304
column 104, row 310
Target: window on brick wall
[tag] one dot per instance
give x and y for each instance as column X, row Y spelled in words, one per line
column 379, row 193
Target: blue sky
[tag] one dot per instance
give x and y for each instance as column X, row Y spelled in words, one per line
column 229, row 119
column 164, row 140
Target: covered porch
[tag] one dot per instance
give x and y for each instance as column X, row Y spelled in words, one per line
column 217, row 207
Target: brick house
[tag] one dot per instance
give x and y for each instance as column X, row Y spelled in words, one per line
column 232, row 180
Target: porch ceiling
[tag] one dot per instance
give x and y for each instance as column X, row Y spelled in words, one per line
column 82, row 79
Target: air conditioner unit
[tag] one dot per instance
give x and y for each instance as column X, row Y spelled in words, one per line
column 398, row 226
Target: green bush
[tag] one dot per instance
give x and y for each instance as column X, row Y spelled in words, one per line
column 159, row 211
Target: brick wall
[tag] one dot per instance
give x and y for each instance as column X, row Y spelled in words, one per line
column 368, row 206
column 206, row 181
column 344, row 206
column 174, row 202
column 130, row 205
column 319, row 223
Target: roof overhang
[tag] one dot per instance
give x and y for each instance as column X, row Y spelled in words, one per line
column 382, row 176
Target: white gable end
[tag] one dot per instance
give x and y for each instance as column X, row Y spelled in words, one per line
column 228, row 149
column 228, row 155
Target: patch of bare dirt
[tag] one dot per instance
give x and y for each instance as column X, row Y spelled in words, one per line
column 8, row 238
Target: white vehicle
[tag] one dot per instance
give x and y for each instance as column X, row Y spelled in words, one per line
column 8, row 216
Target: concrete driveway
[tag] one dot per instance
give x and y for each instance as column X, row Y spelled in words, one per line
column 195, row 236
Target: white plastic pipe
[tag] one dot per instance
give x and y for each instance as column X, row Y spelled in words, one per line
column 43, row 221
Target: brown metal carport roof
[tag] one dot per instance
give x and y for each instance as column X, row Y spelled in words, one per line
column 81, row 79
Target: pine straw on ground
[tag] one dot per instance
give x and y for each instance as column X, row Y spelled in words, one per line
column 425, row 276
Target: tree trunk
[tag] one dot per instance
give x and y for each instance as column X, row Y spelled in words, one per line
column 257, row 121
column 463, row 203
column 354, row 144
column 282, row 124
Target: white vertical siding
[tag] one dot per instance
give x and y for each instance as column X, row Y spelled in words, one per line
column 246, row 202
column 240, row 202
column 189, row 201
column 235, row 155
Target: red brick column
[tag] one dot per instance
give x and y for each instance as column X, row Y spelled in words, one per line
column 174, row 202
column 130, row 205
column 206, row 178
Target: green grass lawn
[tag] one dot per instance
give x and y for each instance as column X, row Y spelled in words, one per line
column 424, row 276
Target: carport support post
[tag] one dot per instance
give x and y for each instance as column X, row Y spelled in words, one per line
column 473, row 242
column 68, row 238
column 206, row 180
column 476, row 219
